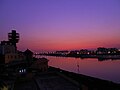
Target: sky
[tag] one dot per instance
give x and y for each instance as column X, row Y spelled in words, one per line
column 46, row 25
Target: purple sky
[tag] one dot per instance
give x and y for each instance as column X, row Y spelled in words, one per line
column 61, row 24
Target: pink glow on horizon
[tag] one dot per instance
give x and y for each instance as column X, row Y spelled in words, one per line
column 62, row 24
column 66, row 45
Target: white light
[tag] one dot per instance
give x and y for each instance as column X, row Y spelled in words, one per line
column 20, row 71
column 77, row 52
column 24, row 70
column 108, row 51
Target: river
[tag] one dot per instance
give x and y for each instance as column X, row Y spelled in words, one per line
column 107, row 69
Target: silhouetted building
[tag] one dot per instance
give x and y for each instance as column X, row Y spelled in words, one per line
column 13, row 37
column 102, row 50
column 28, row 54
column 112, row 50
column 40, row 64
column 8, row 49
column 62, row 52
column 84, row 51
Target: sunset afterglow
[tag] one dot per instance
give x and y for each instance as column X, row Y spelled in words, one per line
column 61, row 24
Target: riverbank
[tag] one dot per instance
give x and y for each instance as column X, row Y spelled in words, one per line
column 98, row 56
column 87, row 81
column 58, row 79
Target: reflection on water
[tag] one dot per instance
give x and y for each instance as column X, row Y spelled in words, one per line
column 108, row 69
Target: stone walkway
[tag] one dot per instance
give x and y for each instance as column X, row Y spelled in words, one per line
column 55, row 82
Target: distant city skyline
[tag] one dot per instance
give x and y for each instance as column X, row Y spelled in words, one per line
column 47, row 25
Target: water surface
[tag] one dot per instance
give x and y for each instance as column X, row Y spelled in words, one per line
column 107, row 69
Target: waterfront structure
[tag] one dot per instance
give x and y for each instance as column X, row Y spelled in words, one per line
column 84, row 51
column 13, row 37
column 8, row 49
column 8, row 52
column 28, row 54
column 102, row 50
column 15, row 63
column 40, row 64
column 62, row 52
column 17, row 74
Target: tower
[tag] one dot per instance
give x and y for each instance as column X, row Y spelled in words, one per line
column 13, row 37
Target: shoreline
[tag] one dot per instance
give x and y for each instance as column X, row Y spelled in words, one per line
column 82, row 56
column 88, row 81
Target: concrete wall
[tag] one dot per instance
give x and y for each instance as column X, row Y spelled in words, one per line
column 4, row 49
column 13, row 56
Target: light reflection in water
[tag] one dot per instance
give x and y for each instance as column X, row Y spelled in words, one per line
column 108, row 69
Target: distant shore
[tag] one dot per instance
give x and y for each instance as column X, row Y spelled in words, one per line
column 99, row 56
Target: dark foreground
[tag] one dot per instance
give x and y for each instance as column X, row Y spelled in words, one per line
column 57, row 79
column 90, row 83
